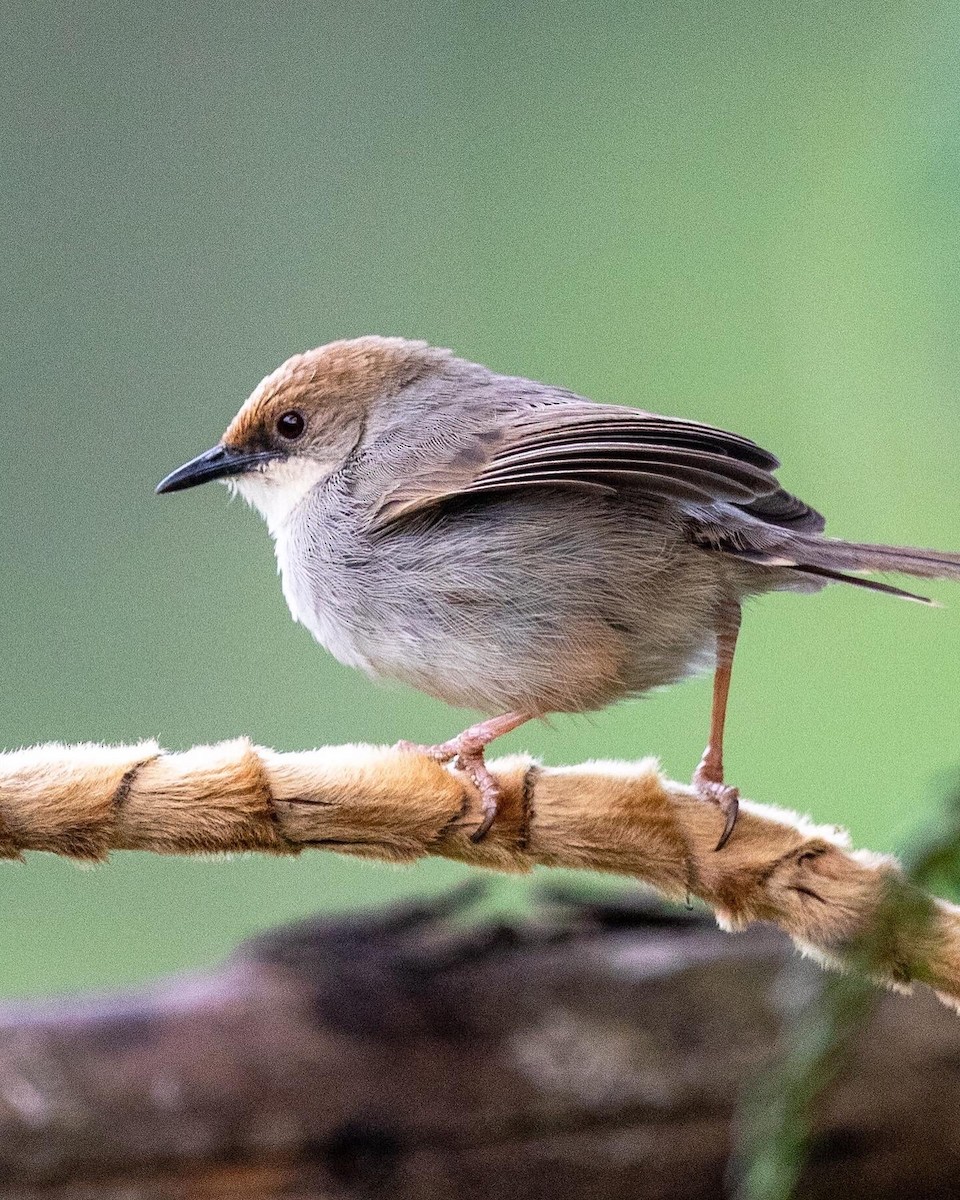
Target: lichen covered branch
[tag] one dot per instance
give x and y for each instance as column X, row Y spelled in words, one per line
column 86, row 801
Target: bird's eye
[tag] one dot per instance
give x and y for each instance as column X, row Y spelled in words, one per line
column 290, row 425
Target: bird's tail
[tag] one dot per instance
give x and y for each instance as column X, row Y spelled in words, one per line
column 830, row 558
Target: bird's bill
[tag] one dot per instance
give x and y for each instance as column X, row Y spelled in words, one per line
column 218, row 463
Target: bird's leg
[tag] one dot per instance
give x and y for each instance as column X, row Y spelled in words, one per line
column 708, row 777
column 468, row 748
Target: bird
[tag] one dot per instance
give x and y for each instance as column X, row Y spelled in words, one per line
column 511, row 547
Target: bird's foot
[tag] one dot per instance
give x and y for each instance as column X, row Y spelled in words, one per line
column 726, row 798
column 441, row 753
column 466, row 754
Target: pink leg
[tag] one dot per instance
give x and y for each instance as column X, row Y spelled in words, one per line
column 468, row 748
column 708, row 777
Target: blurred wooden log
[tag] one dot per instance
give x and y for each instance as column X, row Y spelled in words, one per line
column 596, row 1051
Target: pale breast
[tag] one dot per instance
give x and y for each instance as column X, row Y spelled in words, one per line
column 563, row 604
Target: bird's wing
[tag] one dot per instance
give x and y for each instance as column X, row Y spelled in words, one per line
column 607, row 448
column 786, row 511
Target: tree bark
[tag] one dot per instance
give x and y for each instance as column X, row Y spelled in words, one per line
column 595, row 1050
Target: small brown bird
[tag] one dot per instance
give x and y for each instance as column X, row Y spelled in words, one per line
column 509, row 546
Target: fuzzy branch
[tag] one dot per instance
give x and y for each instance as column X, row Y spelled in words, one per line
column 85, row 801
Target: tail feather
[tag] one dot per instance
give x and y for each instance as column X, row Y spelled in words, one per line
column 829, row 554
column 805, row 551
column 874, row 585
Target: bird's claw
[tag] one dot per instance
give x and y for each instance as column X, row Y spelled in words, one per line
column 475, row 768
column 468, row 760
column 726, row 798
column 442, row 753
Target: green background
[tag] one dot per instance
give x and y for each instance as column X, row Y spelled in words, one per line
column 745, row 213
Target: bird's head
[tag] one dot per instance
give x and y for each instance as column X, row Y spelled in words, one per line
column 303, row 421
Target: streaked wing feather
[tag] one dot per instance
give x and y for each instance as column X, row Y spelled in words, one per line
column 675, row 487
column 399, row 503
column 730, row 478
column 662, row 478
column 611, row 420
column 584, row 445
column 790, row 512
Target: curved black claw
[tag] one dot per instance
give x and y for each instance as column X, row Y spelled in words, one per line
column 476, row 769
column 481, row 831
column 732, row 810
column 726, row 798
column 470, row 762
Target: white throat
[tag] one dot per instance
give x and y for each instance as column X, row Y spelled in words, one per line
column 276, row 489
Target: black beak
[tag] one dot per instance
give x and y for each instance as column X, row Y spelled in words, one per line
column 217, row 463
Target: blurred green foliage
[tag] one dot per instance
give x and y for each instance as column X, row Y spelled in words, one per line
column 744, row 213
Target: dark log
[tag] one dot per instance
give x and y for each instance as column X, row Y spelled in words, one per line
column 596, row 1050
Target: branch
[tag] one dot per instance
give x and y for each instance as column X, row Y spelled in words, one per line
column 84, row 801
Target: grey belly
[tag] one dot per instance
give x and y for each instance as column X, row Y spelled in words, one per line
column 562, row 604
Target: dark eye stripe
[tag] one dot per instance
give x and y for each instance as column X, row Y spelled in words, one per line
column 290, row 425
